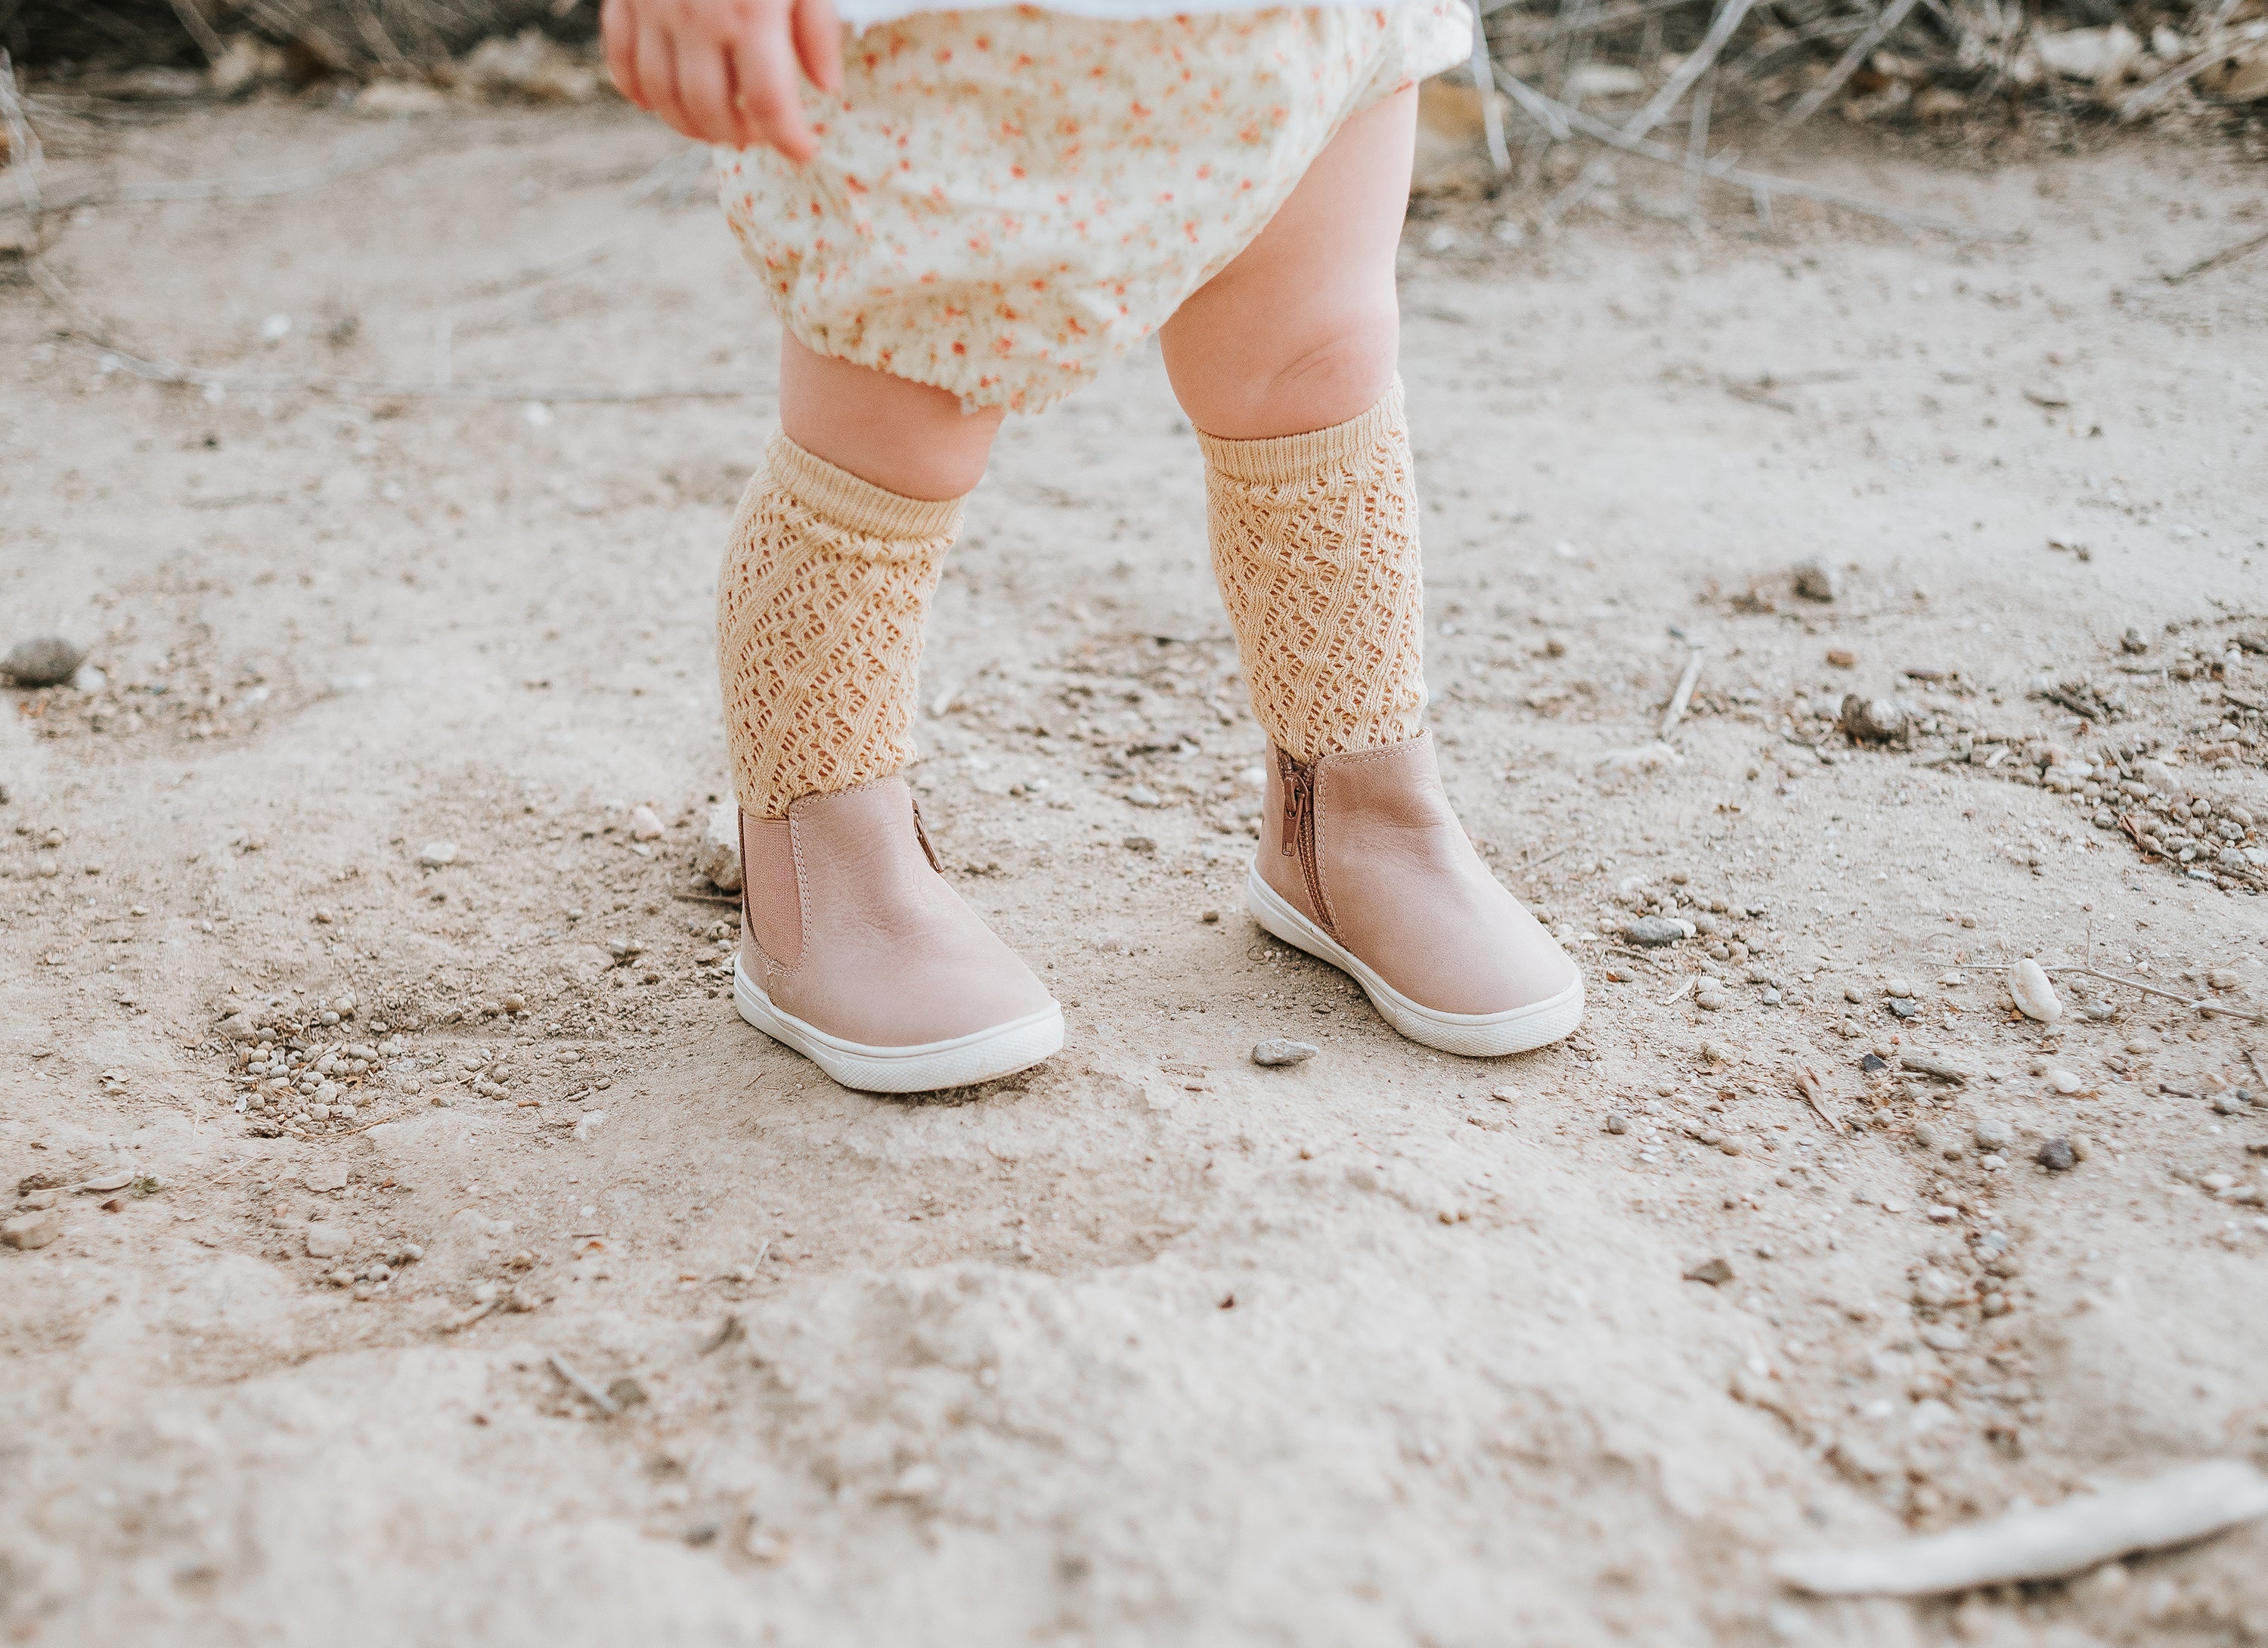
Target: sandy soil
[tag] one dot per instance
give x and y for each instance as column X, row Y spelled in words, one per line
column 1152, row 1345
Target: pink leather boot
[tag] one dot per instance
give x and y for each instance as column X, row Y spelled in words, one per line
column 1362, row 865
column 856, row 952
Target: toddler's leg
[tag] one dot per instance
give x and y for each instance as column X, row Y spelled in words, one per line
column 853, row 949
column 1286, row 363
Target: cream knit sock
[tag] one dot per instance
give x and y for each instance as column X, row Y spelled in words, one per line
column 819, row 626
column 1314, row 544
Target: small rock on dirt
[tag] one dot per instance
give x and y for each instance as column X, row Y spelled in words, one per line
column 1817, row 579
column 2056, row 1155
column 1615, row 1123
column 1280, row 1052
column 1652, row 931
column 1993, row 1134
column 32, row 1230
column 1715, row 1272
column 43, row 661
column 1871, row 720
column 2034, row 996
column 646, row 824
column 434, row 855
column 325, row 1242
column 718, row 858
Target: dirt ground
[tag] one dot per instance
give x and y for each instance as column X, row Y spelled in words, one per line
column 1152, row 1345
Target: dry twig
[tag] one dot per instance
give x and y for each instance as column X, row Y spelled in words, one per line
column 1808, row 1084
column 1815, row 100
column 1658, row 107
column 1559, row 119
column 1680, row 700
column 582, row 1386
column 215, row 189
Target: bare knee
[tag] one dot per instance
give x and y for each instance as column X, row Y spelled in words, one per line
column 1307, row 373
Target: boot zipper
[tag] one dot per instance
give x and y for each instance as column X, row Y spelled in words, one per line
column 921, row 834
column 1299, row 831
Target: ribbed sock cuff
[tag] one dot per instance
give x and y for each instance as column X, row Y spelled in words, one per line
column 856, row 506
column 1289, row 458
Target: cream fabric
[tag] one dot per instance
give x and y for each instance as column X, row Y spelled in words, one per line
column 1314, row 544
column 819, row 611
column 1005, row 201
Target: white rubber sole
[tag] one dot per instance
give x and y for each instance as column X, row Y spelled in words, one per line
column 1473, row 1035
column 984, row 1056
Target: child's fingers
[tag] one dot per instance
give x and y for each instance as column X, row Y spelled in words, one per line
column 768, row 97
column 657, row 77
column 619, row 29
column 704, row 95
column 819, row 43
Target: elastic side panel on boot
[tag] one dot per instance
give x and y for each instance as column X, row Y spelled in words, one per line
column 820, row 610
column 770, row 889
column 1314, row 544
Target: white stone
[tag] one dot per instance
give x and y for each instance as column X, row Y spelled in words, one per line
column 327, row 1241
column 718, row 857
column 433, row 855
column 646, row 824
column 2034, row 996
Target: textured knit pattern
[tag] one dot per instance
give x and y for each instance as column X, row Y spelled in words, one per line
column 819, row 626
column 1314, row 544
column 1007, row 201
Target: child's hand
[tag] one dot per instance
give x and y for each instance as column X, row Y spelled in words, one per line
column 724, row 72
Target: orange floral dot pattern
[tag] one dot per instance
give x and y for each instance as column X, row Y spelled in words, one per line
column 1007, row 201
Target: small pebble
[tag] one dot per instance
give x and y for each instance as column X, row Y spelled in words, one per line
column 32, row 1230
column 1993, row 1134
column 1652, row 931
column 43, row 661
column 1140, row 843
column 1143, row 795
column 1871, row 720
column 2063, row 1082
column 1710, row 1000
column 1842, row 657
column 1817, row 579
column 434, row 855
column 1615, row 1123
column 2057, row 1155
column 2222, row 979
column 1715, row 1272
column 718, row 856
column 646, row 824
column 1211, row 918
column 1873, row 1062
column 2034, row 996
column 1280, row 1052
column 1904, row 1006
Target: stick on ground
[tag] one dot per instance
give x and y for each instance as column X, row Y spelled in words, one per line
column 2067, row 1539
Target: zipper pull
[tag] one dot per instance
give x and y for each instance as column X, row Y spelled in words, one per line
column 921, row 834
column 1298, row 800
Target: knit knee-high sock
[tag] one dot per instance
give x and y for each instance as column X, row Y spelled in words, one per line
column 820, row 610
column 1314, row 544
